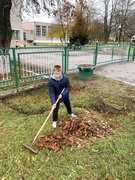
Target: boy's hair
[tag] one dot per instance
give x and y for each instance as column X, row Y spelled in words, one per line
column 57, row 68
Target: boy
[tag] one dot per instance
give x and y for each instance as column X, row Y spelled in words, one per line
column 57, row 82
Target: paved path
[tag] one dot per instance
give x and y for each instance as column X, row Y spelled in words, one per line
column 123, row 71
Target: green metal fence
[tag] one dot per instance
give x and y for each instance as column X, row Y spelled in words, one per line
column 26, row 65
column 114, row 54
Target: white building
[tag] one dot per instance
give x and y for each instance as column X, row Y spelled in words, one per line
column 36, row 31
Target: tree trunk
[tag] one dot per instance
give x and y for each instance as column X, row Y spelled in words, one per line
column 106, row 23
column 105, row 30
column 5, row 25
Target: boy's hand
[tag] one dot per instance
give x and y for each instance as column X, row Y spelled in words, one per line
column 54, row 106
column 60, row 96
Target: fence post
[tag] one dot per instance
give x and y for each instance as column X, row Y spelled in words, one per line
column 64, row 60
column 129, row 52
column 112, row 52
column 133, row 54
column 96, row 53
column 15, row 68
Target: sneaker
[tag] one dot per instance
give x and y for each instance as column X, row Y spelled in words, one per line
column 71, row 115
column 54, row 124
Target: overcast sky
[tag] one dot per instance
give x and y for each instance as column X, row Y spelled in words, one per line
column 42, row 17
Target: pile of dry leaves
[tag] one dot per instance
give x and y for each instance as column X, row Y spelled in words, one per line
column 74, row 131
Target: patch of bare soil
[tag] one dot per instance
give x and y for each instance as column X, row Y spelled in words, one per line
column 78, row 89
column 75, row 132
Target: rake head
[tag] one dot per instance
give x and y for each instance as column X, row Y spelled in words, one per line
column 31, row 149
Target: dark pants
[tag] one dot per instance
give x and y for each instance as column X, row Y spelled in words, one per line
column 67, row 105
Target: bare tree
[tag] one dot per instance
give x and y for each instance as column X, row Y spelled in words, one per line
column 107, row 12
column 94, row 33
column 123, row 16
column 115, row 16
column 130, row 25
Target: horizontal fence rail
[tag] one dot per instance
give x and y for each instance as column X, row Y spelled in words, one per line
column 25, row 65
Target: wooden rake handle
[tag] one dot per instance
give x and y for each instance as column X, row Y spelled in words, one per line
column 46, row 120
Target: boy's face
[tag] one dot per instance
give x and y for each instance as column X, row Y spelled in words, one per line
column 57, row 74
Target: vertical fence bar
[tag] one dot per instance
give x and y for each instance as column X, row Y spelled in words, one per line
column 64, row 60
column 112, row 52
column 133, row 58
column 96, row 53
column 129, row 52
column 15, row 68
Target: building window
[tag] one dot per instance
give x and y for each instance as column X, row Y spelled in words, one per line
column 38, row 30
column 43, row 30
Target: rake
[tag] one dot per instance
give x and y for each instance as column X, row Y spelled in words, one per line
column 30, row 147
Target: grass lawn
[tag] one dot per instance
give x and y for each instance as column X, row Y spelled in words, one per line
column 110, row 157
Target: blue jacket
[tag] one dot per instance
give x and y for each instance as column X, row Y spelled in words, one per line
column 56, row 86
